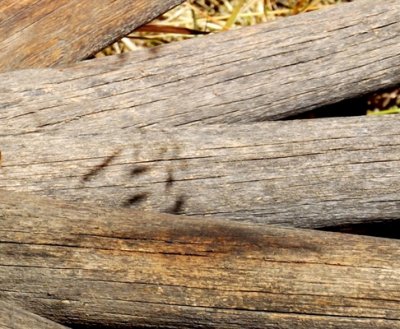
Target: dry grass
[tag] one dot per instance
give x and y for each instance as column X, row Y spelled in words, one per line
column 196, row 17
column 211, row 16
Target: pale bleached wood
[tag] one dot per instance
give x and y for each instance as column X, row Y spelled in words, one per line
column 46, row 33
column 267, row 71
column 82, row 265
column 13, row 317
column 306, row 173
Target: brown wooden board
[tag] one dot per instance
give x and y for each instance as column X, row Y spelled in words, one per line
column 13, row 317
column 267, row 71
column 305, row 173
column 46, row 33
column 87, row 265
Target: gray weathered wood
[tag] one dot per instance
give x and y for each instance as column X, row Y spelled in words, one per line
column 86, row 265
column 306, row 173
column 46, row 33
column 267, row 71
column 13, row 317
column 83, row 265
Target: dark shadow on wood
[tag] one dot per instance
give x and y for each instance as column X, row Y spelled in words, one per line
column 109, row 326
column 389, row 229
column 381, row 99
column 349, row 107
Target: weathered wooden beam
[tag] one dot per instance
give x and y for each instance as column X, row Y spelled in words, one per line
column 45, row 33
column 87, row 265
column 13, row 317
column 305, row 173
column 267, row 71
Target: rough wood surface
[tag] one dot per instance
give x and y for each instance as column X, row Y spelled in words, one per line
column 12, row 317
column 84, row 265
column 306, row 173
column 45, row 33
column 262, row 72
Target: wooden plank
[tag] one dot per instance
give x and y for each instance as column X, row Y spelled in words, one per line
column 268, row 71
column 46, row 33
column 306, row 173
column 13, row 317
column 84, row 265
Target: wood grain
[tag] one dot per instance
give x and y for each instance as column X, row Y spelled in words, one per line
column 46, row 33
column 84, row 265
column 268, row 71
column 305, row 173
column 13, row 317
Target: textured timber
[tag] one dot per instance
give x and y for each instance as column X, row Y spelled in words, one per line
column 87, row 265
column 268, row 71
column 47, row 33
column 305, row 173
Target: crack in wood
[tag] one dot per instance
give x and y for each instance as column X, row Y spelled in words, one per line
column 177, row 207
column 97, row 169
column 139, row 170
column 136, row 199
column 170, row 180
